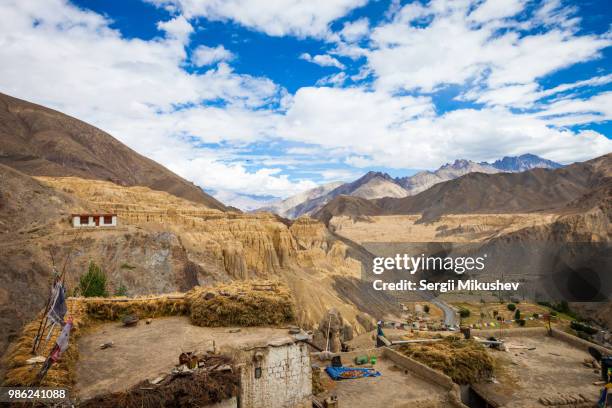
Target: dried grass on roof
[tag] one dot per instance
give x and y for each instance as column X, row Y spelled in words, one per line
column 465, row 362
column 198, row 389
column 111, row 309
column 61, row 374
column 241, row 304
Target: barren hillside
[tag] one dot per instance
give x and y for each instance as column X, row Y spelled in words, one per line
column 43, row 142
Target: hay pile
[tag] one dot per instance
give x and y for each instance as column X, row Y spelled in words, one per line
column 465, row 362
column 197, row 389
column 241, row 304
column 61, row 374
column 111, row 309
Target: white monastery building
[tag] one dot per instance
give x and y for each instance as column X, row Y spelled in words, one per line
column 94, row 220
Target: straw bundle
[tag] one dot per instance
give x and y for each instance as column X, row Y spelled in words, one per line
column 198, row 389
column 61, row 374
column 465, row 362
column 111, row 309
column 241, row 304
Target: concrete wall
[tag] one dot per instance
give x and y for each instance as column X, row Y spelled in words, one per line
column 286, row 377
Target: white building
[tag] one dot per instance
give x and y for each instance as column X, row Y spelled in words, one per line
column 94, row 220
column 277, row 375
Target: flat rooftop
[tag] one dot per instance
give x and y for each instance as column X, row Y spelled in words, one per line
column 395, row 388
column 552, row 369
column 147, row 351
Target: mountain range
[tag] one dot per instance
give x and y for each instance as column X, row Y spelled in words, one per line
column 375, row 185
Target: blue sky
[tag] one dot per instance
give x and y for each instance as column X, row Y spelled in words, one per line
column 257, row 100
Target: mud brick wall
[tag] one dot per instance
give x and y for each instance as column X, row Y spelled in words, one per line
column 285, row 381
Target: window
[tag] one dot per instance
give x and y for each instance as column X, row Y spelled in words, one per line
column 84, row 220
column 108, row 219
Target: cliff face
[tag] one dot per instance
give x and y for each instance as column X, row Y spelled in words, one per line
column 164, row 243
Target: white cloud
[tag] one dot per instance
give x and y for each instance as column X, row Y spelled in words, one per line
column 450, row 49
column 322, row 60
column 277, row 18
column 204, row 55
column 333, row 80
column 576, row 111
column 355, row 30
column 236, row 178
column 178, row 28
column 496, row 9
column 405, row 132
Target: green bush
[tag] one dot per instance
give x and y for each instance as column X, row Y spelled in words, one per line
column 93, row 283
column 121, row 290
column 464, row 313
column 581, row 327
column 511, row 307
column 517, row 314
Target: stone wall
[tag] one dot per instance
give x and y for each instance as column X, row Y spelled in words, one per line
column 427, row 373
column 285, row 380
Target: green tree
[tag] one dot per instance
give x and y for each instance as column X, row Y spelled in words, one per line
column 517, row 314
column 93, row 283
column 511, row 307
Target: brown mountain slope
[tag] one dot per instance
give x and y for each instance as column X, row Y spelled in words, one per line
column 42, row 142
column 530, row 191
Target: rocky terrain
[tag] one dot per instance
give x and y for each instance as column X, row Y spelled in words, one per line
column 164, row 244
column 43, row 142
column 375, row 185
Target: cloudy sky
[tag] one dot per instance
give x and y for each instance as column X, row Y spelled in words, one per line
column 260, row 99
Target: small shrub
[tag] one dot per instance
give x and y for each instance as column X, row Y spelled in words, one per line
column 121, row 290
column 464, row 313
column 521, row 322
column 126, row 265
column 536, row 315
column 581, row 327
column 511, row 307
column 93, row 283
column 426, row 308
column 517, row 314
